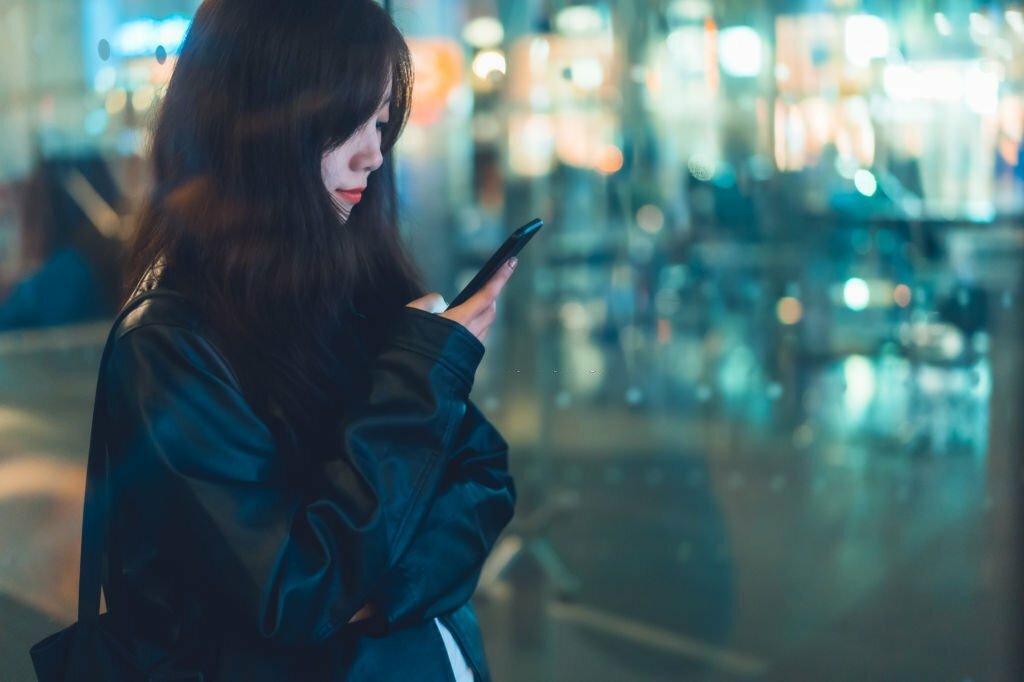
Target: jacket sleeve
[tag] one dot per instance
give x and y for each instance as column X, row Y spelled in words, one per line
column 439, row 571
column 295, row 562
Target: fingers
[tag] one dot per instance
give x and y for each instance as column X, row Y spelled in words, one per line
column 492, row 289
column 479, row 312
column 480, row 323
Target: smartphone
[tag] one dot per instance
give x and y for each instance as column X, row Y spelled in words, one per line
column 512, row 246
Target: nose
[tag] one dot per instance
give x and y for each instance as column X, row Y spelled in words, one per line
column 369, row 157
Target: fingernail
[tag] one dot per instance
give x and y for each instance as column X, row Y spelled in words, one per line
column 512, row 263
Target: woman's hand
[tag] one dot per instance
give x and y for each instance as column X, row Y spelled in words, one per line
column 477, row 314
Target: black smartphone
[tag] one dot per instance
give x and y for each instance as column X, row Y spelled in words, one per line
column 512, row 246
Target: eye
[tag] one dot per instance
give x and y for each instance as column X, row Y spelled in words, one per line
column 381, row 125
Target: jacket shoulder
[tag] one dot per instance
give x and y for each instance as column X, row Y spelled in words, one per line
column 165, row 308
column 169, row 316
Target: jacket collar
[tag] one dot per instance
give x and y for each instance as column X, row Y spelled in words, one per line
column 151, row 278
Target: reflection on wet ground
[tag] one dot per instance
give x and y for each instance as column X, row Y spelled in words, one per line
column 692, row 507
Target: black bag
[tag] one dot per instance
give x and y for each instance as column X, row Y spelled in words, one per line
column 90, row 650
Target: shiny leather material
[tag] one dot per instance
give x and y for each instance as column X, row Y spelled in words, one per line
column 231, row 540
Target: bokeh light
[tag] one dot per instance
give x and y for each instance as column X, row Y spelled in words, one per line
column 856, row 294
column 865, row 182
column 611, row 160
column 789, row 310
column 650, row 218
column 902, row 295
column 488, row 64
column 483, row 32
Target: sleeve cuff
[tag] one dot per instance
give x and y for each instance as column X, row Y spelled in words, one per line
column 441, row 339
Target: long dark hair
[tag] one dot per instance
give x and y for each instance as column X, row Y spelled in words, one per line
column 239, row 211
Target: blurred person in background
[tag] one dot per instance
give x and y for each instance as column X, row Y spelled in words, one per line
column 73, row 268
column 300, row 486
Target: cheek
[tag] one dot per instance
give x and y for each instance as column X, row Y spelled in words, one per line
column 325, row 170
column 331, row 166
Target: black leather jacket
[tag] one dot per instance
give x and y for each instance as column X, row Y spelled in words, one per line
column 225, row 557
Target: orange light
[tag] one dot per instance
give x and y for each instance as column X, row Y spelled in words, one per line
column 789, row 310
column 610, row 160
column 439, row 66
column 654, row 81
column 664, row 332
column 711, row 55
column 1008, row 149
column 902, row 295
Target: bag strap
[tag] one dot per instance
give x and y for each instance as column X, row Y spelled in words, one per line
column 96, row 513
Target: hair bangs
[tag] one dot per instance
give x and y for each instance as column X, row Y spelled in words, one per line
column 357, row 81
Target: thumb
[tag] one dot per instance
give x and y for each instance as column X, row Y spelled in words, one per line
column 431, row 303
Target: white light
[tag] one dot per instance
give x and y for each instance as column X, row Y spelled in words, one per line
column 899, row 82
column 143, row 36
column 740, row 51
column 942, row 82
column 531, row 145
column 484, row 32
column 980, row 211
column 690, row 9
column 540, row 98
column 686, row 45
column 489, row 62
column 981, row 27
column 579, row 20
column 952, row 343
column 105, row 79
column 981, row 91
column 134, row 38
column 859, row 374
column 171, row 32
column 867, row 38
column 865, row 182
column 587, row 74
column 856, row 294
column 540, row 50
column 1016, row 20
column 942, row 24
column 846, row 167
column 702, row 166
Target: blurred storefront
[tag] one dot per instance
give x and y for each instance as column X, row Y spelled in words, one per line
column 761, row 370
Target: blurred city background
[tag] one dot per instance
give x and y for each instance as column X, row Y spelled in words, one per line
column 761, row 372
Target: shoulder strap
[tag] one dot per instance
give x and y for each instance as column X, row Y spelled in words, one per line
column 96, row 513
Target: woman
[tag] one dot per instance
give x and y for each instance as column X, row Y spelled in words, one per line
column 301, row 488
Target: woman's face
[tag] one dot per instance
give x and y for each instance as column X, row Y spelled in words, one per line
column 346, row 168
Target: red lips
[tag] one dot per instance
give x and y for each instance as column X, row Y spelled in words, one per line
column 352, row 196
